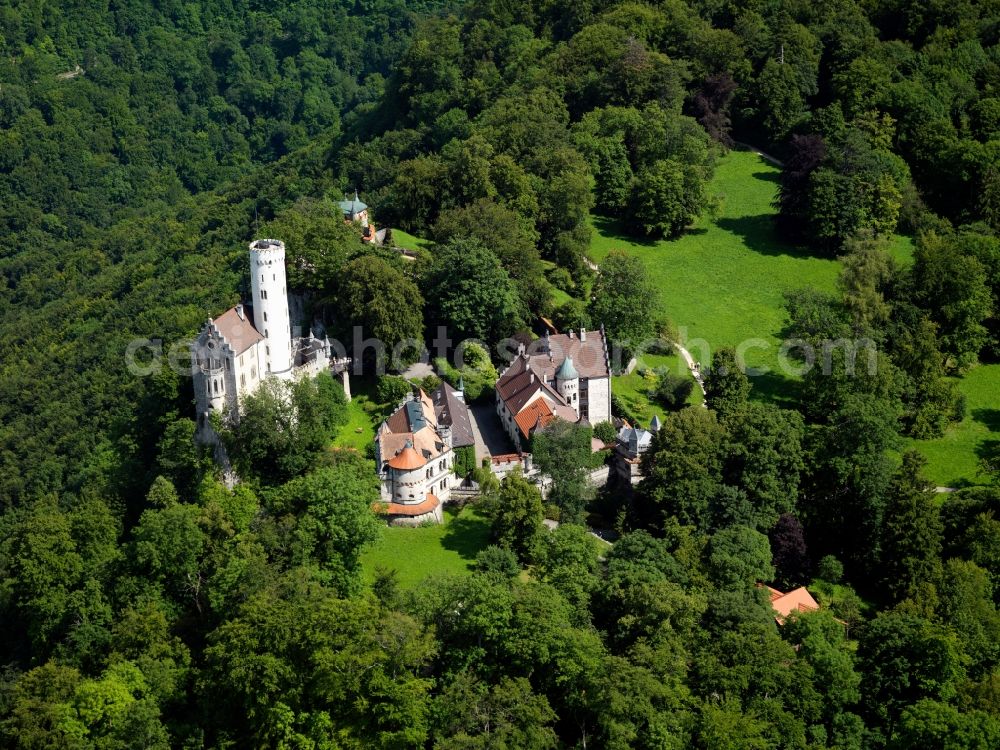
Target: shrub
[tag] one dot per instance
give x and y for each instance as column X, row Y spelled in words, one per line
column 498, row 561
column 605, row 432
column 830, row 569
column 392, row 389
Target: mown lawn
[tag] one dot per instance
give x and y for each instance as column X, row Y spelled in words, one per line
column 954, row 459
column 409, row 241
column 415, row 553
column 632, row 389
column 359, row 432
column 723, row 282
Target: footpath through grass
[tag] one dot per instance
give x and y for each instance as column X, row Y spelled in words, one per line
column 723, row 282
column 415, row 553
column 632, row 390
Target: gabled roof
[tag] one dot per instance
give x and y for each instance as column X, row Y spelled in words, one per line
column 237, row 330
column 589, row 356
column 451, row 410
column 798, row 600
column 519, row 385
column 413, row 424
column 536, row 414
column 634, row 439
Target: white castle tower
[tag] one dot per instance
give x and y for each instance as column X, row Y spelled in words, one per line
column 270, row 305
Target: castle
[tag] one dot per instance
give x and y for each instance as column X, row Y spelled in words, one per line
column 414, row 454
column 565, row 376
column 236, row 351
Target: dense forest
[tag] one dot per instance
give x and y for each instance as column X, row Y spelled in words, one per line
column 145, row 604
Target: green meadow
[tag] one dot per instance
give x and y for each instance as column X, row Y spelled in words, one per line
column 414, row 553
column 723, row 284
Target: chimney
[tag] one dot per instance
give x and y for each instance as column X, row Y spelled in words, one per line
column 583, row 334
column 571, row 334
column 239, row 311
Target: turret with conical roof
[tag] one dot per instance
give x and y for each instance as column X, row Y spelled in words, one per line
column 567, row 371
column 568, row 383
column 354, row 209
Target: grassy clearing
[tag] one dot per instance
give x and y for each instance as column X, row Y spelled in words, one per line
column 415, row 553
column 954, row 459
column 359, row 432
column 632, row 389
column 409, row 241
column 723, row 282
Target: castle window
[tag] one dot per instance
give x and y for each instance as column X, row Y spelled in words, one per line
column 274, row 277
column 267, row 350
column 265, row 316
column 243, row 379
column 228, row 365
column 253, row 372
column 216, row 383
column 263, row 293
column 265, row 334
column 262, row 277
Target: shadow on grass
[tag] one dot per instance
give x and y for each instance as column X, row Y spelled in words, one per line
column 988, row 452
column 990, row 418
column 759, row 235
column 612, row 229
column 775, row 388
column 467, row 535
column 774, row 177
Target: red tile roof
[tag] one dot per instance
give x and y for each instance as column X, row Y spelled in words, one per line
column 798, row 600
column 537, row 414
column 413, row 509
column 406, row 459
column 519, row 384
column 238, row 331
